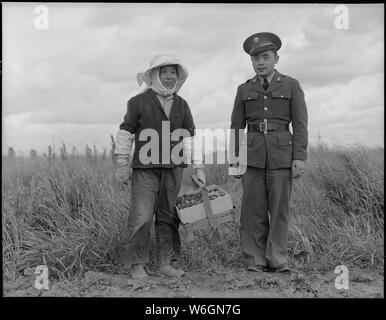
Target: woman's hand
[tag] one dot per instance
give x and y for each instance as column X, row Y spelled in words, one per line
column 199, row 173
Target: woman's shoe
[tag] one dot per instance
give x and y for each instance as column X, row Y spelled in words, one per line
column 138, row 272
column 168, row 270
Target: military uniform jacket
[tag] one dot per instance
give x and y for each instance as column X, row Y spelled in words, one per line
column 144, row 111
column 282, row 103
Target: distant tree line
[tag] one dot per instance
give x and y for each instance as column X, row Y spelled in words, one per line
column 90, row 153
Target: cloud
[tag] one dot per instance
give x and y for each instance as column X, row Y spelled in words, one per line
column 355, row 111
column 80, row 73
column 330, row 56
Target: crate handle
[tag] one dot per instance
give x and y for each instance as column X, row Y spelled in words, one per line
column 207, row 206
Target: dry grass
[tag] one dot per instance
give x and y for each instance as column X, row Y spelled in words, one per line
column 71, row 215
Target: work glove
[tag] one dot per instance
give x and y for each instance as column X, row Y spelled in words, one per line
column 123, row 171
column 198, row 167
column 199, row 173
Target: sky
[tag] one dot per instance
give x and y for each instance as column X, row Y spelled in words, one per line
column 69, row 70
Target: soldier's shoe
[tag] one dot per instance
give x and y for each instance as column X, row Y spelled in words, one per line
column 256, row 268
column 138, row 272
column 168, row 270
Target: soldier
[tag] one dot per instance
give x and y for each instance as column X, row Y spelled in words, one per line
column 267, row 104
column 155, row 185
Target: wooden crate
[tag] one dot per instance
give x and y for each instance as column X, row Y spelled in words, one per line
column 194, row 217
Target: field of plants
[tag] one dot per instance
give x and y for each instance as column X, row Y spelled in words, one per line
column 69, row 214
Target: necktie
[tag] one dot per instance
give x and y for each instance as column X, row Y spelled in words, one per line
column 266, row 84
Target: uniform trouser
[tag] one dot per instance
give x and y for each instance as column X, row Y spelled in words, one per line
column 265, row 215
column 153, row 191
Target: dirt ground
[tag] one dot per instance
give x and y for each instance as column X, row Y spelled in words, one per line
column 236, row 283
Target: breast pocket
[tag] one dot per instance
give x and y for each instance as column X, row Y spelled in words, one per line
column 281, row 102
column 251, row 103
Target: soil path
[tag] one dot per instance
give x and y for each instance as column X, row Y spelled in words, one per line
column 232, row 284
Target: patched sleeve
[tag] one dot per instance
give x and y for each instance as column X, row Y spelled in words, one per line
column 124, row 143
column 299, row 118
column 130, row 120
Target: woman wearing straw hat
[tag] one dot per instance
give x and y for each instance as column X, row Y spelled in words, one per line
column 155, row 184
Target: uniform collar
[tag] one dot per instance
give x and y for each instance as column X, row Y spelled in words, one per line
column 269, row 78
column 275, row 83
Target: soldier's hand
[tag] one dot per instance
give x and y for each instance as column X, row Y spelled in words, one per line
column 123, row 174
column 235, row 170
column 238, row 176
column 297, row 168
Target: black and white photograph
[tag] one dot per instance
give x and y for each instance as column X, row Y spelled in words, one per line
column 182, row 150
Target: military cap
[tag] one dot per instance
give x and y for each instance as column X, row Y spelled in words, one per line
column 261, row 41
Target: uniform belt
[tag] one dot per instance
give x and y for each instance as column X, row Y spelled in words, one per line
column 267, row 126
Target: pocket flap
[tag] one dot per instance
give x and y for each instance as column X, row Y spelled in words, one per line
column 285, row 141
column 250, row 96
column 281, row 94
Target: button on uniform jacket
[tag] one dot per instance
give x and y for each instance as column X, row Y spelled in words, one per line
column 282, row 103
column 144, row 111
